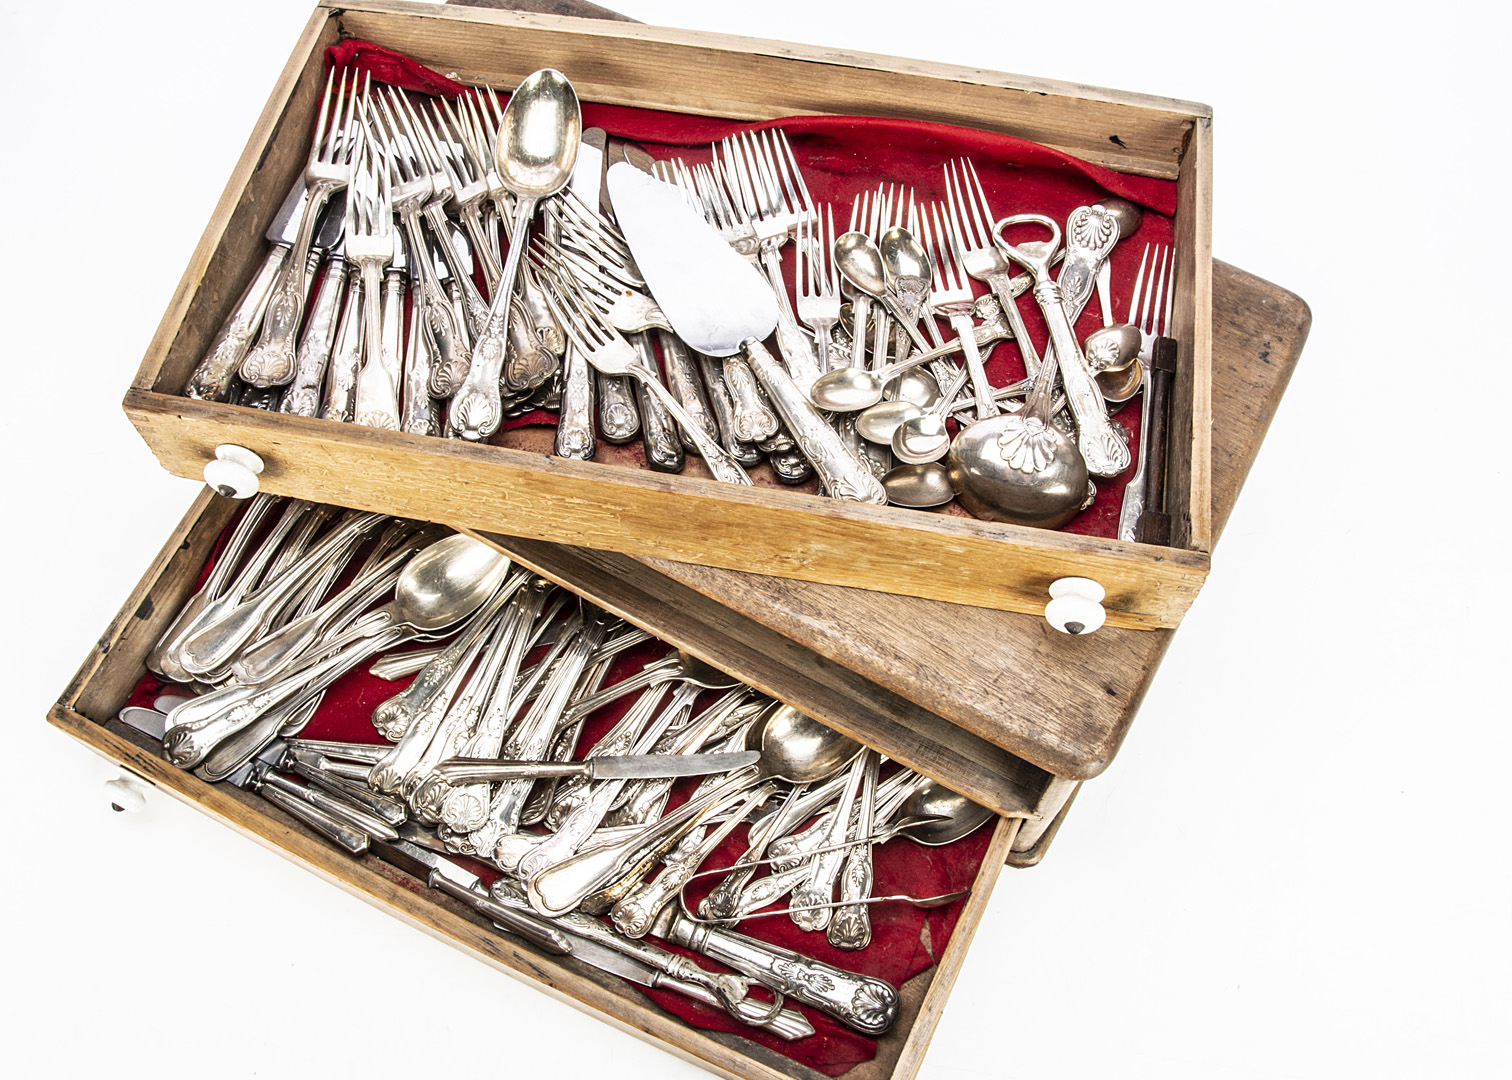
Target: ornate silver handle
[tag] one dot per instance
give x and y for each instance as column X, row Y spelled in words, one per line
column 843, row 474
column 417, row 413
column 1091, row 233
column 476, row 412
column 211, row 380
column 618, row 415
column 346, row 358
column 866, row 1004
column 1106, row 454
column 351, row 840
column 574, row 433
column 753, row 420
column 725, row 468
column 684, row 383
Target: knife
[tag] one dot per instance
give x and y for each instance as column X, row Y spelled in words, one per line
column 441, row 873
column 211, row 380
column 620, row 767
column 722, row 305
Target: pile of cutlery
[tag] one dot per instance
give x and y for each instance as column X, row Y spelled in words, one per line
column 483, row 756
column 637, row 305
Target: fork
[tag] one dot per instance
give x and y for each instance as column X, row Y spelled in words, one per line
column 601, row 344
column 410, row 189
column 370, row 244
column 768, row 194
column 970, row 219
column 818, row 281
column 468, row 178
column 951, row 296
column 272, row 362
column 1151, row 325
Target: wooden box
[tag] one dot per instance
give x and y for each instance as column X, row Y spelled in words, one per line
column 87, row 711
column 767, row 530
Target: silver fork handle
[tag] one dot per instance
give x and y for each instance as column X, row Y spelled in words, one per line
column 754, row 422
column 618, row 414
column 346, row 358
column 211, row 380
column 272, row 363
column 724, row 467
column 574, row 433
column 843, row 474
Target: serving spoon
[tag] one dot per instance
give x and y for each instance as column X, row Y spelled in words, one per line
column 537, row 148
column 793, row 747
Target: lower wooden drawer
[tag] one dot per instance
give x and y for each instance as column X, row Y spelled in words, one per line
column 87, row 710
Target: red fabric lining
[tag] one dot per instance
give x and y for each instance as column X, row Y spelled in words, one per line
column 905, row 938
column 839, row 159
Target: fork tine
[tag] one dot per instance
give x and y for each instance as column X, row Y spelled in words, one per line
column 1159, row 280
column 1165, row 323
column 858, row 213
column 803, row 282
column 1138, row 288
column 827, row 247
column 981, row 210
column 806, row 203
column 321, row 134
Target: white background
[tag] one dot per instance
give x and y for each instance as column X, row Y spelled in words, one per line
column 1297, row 867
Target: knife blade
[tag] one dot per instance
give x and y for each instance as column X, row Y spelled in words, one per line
column 614, row 767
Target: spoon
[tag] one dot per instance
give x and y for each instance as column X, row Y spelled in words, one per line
column 923, row 438
column 793, row 747
column 862, row 263
column 537, row 148
column 907, row 269
column 1126, row 213
column 1118, row 385
column 919, row 486
column 940, row 816
column 919, row 387
column 878, row 423
column 1018, row 466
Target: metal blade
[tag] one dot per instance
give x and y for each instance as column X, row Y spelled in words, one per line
column 714, row 298
column 668, row 766
column 588, row 173
column 332, row 229
column 421, row 863
column 284, row 228
column 149, row 722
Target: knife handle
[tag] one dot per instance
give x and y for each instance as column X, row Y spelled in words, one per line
column 302, row 397
column 531, row 929
column 843, row 474
column 211, row 381
column 866, row 1004
column 351, row 840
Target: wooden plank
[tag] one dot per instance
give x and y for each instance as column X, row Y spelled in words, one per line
column 751, row 79
column 114, row 664
column 776, row 665
column 1189, row 457
column 585, row 504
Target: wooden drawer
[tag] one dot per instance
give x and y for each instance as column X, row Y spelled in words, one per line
column 87, row 711
column 508, row 488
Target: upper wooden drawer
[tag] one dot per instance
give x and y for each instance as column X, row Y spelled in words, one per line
column 512, row 488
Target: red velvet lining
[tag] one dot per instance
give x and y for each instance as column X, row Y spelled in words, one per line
column 906, row 940
column 840, row 158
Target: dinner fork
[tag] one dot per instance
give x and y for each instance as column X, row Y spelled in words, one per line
column 970, row 219
column 768, row 194
column 586, row 326
column 817, row 281
column 951, row 296
column 1152, row 323
column 468, row 178
column 272, row 362
column 370, row 244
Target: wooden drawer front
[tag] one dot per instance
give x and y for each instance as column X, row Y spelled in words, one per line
column 514, row 490
column 116, row 665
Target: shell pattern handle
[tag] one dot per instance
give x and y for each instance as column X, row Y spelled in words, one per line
column 302, row 398
column 346, row 358
column 754, row 421
column 866, row 1004
column 618, row 414
column 211, row 380
column 1091, row 233
column 843, row 474
column 684, row 383
column 574, row 433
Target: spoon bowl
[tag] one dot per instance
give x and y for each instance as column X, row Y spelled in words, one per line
column 1126, row 213
column 539, row 135
column 919, row 487
column 446, row 582
column 917, row 386
column 797, row 748
column 908, row 269
column 1118, row 385
column 860, row 263
column 943, row 816
column 921, row 439
column 1111, row 347
column 878, row 423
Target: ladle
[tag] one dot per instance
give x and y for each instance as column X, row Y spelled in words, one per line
column 793, row 747
column 1020, row 467
column 538, row 143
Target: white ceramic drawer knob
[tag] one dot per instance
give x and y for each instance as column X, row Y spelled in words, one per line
column 1075, row 605
column 125, row 795
column 234, row 471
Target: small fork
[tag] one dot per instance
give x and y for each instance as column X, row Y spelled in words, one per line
column 951, row 296
column 1152, row 321
column 601, row 344
column 818, row 281
column 273, row 361
column 370, row 244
